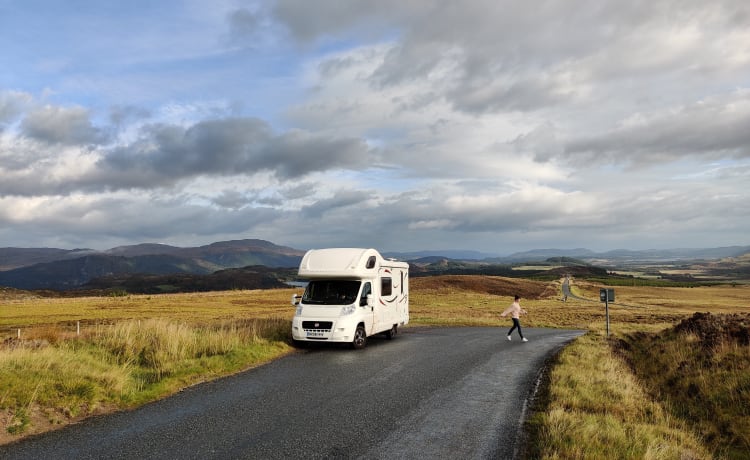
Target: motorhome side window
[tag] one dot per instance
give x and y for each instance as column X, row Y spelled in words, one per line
column 366, row 290
column 386, row 287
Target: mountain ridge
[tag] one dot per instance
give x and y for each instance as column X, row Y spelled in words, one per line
column 62, row 269
column 59, row 269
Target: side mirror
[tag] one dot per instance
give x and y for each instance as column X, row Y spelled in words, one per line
column 295, row 300
column 370, row 301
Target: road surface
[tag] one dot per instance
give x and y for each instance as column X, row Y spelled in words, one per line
column 568, row 294
column 428, row 393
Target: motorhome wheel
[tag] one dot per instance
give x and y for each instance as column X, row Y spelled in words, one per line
column 360, row 338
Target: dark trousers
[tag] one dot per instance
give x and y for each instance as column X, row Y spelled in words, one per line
column 516, row 324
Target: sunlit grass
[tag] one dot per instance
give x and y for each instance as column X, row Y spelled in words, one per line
column 192, row 308
column 596, row 408
column 53, row 376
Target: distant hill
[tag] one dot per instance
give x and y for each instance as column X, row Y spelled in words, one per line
column 442, row 254
column 255, row 277
column 677, row 254
column 544, row 254
column 59, row 269
column 145, row 249
column 11, row 258
column 626, row 255
column 582, row 254
column 70, row 274
column 552, row 267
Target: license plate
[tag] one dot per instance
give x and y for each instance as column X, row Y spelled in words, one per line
column 315, row 333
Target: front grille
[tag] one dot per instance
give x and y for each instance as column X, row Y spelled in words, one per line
column 317, row 325
column 317, row 330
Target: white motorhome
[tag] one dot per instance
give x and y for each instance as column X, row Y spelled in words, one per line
column 352, row 294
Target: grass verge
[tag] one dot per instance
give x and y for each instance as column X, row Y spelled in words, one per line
column 592, row 406
column 700, row 369
column 51, row 381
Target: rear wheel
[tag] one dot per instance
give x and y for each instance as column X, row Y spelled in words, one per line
column 360, row 338
column 391, row 333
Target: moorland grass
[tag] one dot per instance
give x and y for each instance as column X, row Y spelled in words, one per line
column 193, row 308
column 595, row 403
column 595, row 408
column 700, row 370
column 48, row 382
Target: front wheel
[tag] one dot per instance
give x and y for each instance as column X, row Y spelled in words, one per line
column 360, row 338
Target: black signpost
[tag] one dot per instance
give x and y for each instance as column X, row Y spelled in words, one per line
column 607, row 296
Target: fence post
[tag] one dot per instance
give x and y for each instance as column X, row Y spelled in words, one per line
column 78, row 328
column 19, row 333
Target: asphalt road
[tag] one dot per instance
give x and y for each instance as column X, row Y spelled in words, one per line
column 568, row 294
column 428, row 393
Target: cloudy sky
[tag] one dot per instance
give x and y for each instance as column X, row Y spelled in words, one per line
column 490, row 125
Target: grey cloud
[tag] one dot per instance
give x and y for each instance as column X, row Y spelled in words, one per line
column 541, row 142
column 343, row 199
column 18, row 157
column 434, row 211
column 298, row 190
column 58, row 125
column 475, row 42
column 12, row 105
column 232, row 199
column 308, row 21
column 523, row 94
column 120, row 115
column 708, row 128
column 169, row 153
column 244, row 26
column 144, row 218
column 237, row 199
column 164, row 155
column 494, row 56
column 410, row 61
column 298, row 153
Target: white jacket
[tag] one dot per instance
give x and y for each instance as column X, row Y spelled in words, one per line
column 515, row 310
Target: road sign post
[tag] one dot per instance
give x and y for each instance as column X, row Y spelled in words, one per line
column 607, row 296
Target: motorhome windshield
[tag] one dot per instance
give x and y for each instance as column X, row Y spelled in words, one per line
column 331, row 292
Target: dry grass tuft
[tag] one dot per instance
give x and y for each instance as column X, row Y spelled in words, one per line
column 701, row 370
column 597, row 409
column 53, row 378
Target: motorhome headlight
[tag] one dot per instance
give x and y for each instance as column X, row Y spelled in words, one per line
column 348, row 309
column 298, row 312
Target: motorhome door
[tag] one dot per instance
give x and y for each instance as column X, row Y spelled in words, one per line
column 370, row 310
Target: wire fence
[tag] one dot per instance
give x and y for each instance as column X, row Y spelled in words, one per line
column 12, row 333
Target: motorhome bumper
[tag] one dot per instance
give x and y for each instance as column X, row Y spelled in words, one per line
column 330, row 333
